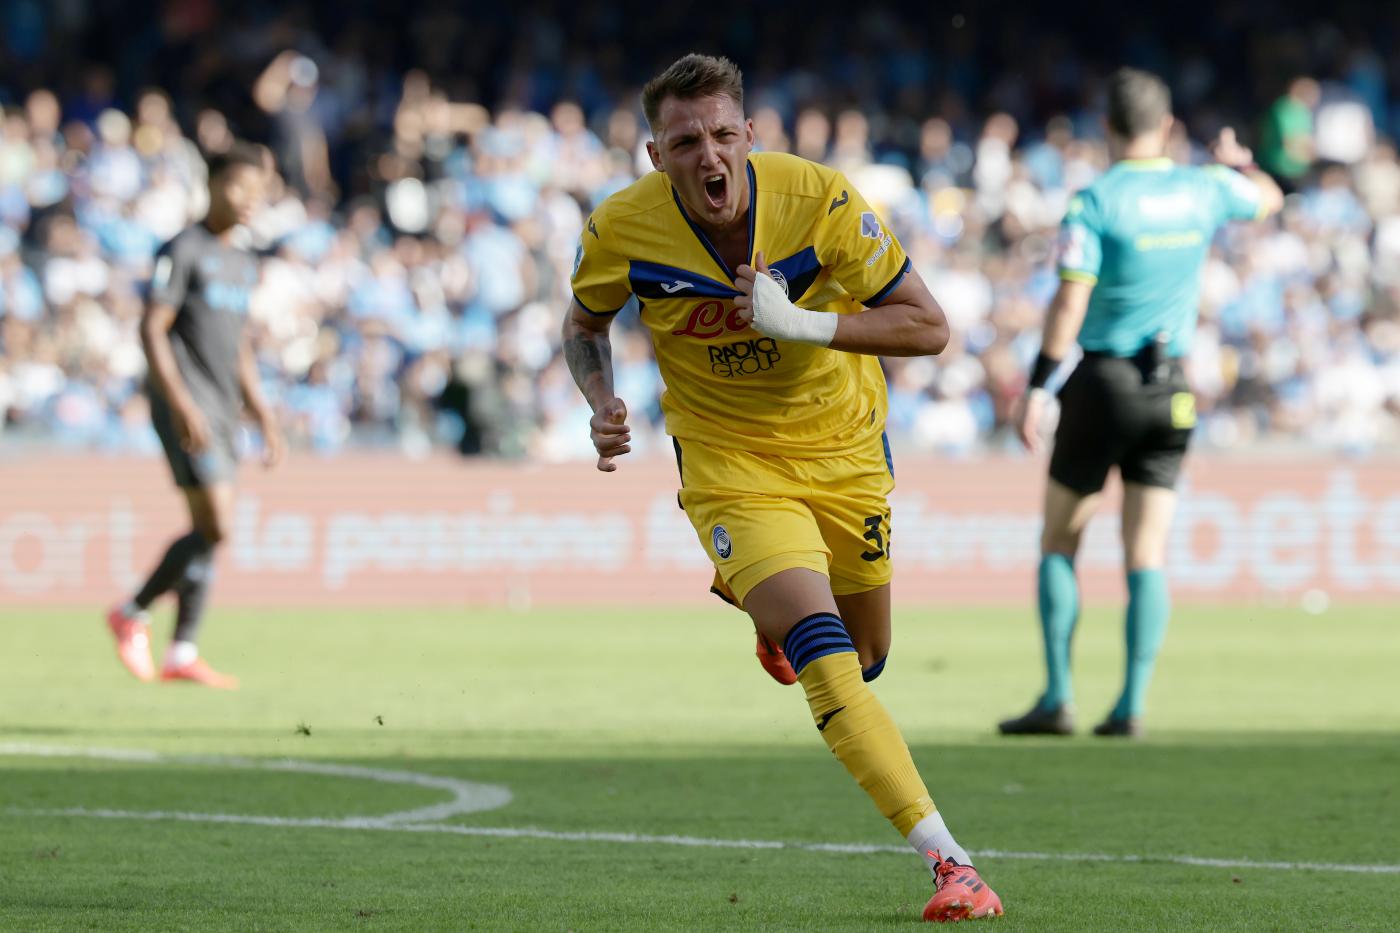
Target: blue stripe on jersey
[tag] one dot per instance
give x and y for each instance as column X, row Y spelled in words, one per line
column 753, row 208
column 800, row 271
column 815, row 637
column 879, row 296
column 654, row 280
column 889, row 457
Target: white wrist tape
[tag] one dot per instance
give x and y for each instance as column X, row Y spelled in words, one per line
column 775, row 316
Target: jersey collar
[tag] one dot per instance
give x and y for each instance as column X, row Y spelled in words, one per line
column 1159, row 164
column 705, row 240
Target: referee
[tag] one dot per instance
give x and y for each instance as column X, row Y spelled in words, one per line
column 1131, row 249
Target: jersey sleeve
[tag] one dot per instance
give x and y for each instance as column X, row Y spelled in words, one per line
column 600, row 280
column 1080, row 247
column 1238, row 197
column 853, row 241
column 170, row 281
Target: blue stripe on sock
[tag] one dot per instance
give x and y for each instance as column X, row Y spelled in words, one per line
column 874, row 670
column 808, row 641
column 800, row 661
column 834, row 640
column 815, row 630
column 816, row 637
column 799, row 640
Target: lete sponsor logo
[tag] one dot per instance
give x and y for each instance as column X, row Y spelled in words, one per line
column 711, row 319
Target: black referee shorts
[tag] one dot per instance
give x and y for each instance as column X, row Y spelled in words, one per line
column 1117, row 411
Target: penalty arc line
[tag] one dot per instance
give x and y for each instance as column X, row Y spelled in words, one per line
column 469, row 797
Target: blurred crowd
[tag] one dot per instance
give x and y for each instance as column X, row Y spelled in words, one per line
column 424, row 220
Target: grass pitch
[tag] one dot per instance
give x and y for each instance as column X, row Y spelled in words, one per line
column 1274, row 750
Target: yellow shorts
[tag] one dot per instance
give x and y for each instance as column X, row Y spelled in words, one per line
column 758, row 514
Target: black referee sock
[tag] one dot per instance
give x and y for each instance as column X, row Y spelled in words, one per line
column 171, row 569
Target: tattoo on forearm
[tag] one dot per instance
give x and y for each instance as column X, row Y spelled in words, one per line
column 586, row 355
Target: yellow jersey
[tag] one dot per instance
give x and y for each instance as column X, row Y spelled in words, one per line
column 727, row 384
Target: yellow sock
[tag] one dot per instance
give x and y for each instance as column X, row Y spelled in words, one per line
column 862, row 735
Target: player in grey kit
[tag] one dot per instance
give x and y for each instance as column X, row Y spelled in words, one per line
column 202, row 377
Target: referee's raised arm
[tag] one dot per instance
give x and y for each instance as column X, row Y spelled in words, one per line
column 1229, row 152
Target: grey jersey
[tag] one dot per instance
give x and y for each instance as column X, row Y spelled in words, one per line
column 208, row 282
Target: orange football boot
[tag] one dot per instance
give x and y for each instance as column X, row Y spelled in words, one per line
column 959, row 894
column 198, row 672
column 775, row 662
column 133, row 637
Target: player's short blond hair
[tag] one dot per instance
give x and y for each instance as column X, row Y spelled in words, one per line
column 691, row 77
column 1137, row 102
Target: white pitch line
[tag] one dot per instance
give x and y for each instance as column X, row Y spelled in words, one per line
column 469, row 797
column 507, row 832
column 28, row 750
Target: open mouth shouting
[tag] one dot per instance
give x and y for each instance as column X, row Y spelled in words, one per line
column 716, row 192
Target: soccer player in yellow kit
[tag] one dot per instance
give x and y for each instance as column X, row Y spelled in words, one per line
column 770, row 287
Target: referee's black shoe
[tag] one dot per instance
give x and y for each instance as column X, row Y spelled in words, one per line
column 1057, row 720
column 1130, row 728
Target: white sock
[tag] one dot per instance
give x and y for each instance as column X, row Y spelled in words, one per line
column 135, row 612
column 181, row 653
column 931, row 839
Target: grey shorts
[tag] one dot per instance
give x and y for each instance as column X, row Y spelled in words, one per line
column 217, row 463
